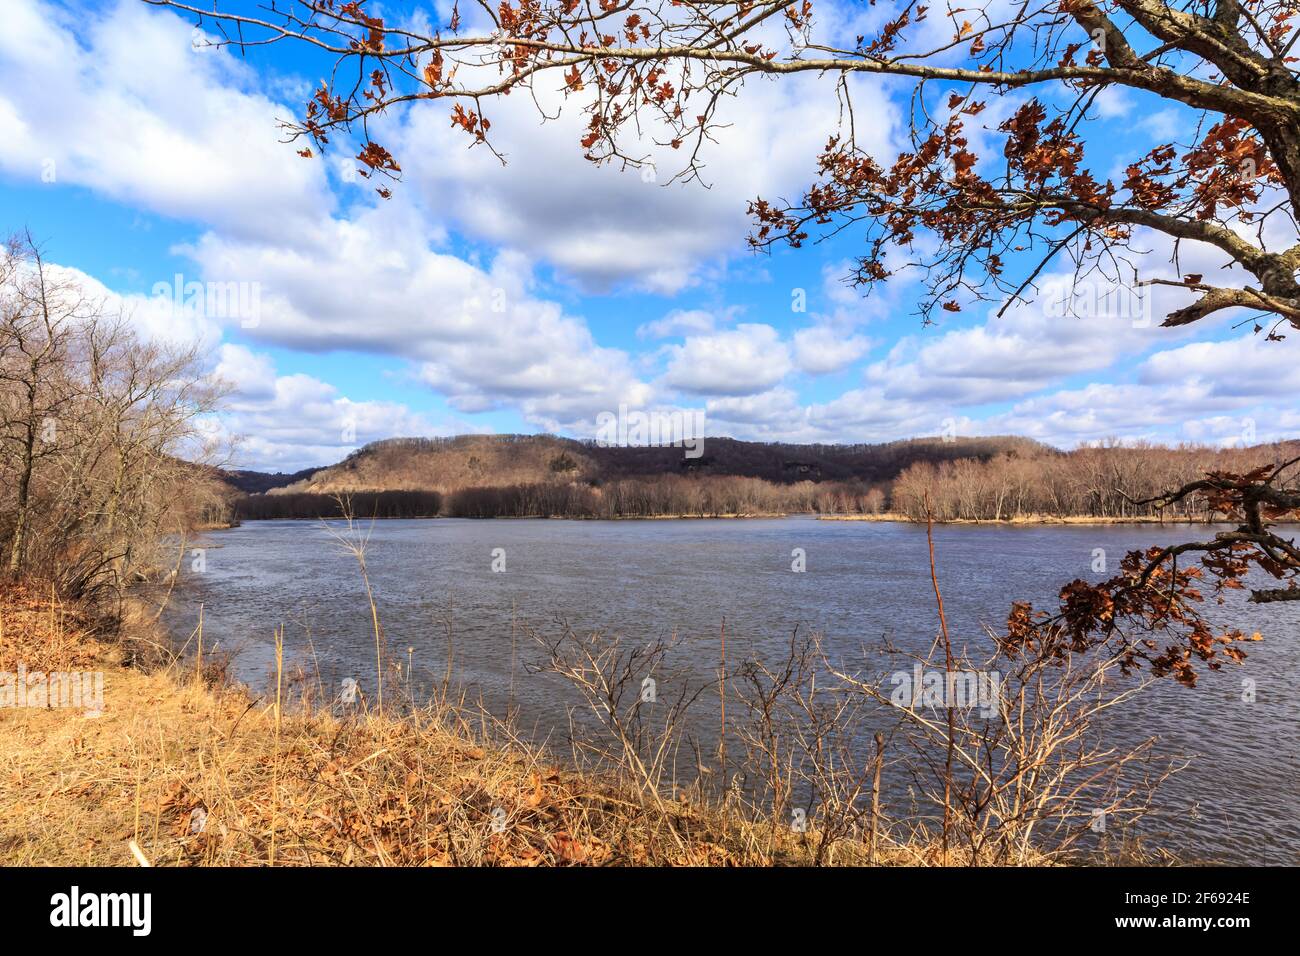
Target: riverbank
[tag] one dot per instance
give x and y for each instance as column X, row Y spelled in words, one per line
column 175, row 766
column 1035, row 519
column 181, row 768
column 667, row 517
column 884, row 516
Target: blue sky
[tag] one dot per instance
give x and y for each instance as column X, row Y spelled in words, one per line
column 536, row 295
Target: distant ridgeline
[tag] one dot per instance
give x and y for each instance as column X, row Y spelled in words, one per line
column 547, row 476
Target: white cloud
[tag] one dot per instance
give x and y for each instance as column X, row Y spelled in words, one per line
column 678, row 322
column 249, row 374
column 184, row 138
column 1247, row 367
column 1220, row 392
column 820, row 350
column 120, row 102
column 603, row 226
column 478, row 335
column 749, row 358
column 1029, row 347
column 775, row 415
column 288, row 422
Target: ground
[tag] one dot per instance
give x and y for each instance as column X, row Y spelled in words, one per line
column 181, row 768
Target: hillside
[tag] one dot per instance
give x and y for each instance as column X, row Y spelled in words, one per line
column 259, row 482
column 978, row 479
column 474, row 461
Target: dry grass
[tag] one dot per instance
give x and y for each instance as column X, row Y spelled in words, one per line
column 194, row 772
column 35, row 627
column 895, row 516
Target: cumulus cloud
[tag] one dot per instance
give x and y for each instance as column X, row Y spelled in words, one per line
column 192, row 137
column 477, row 334
column 603, row 226
column 202, row 147
column 1068, row 329
column 1246, row 367
column 1220, row 392
column 288, row 422
column 819, row 350
column 677, row 323
column 741, row 361
column 250, row 375
column 120, row 101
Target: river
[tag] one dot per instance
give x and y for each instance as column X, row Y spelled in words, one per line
column 1237, row 802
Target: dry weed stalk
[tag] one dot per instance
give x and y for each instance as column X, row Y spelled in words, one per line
column 448, row 783
column 352, row 541
column 1016, row 778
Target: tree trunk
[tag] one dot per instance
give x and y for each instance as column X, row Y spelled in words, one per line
column 24, row 498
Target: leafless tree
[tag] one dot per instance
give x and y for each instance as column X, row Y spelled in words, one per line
column 638, row 65
column 101, row 433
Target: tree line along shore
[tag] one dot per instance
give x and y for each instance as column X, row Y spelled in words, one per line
column 1024, row 484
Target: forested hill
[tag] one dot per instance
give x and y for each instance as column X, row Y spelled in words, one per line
column 480, row 476
column 257, row 482
column 448, row 465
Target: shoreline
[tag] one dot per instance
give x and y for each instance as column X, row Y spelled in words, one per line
column 238, row 779
column 1032, row 519
column 882, row 517
column 741, row 516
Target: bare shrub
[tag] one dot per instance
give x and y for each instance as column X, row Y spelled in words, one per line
column 95, row 427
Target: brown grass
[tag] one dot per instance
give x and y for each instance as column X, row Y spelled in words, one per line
column 193, row 771
column 895, row 516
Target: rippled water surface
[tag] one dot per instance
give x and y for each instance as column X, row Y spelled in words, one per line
column 1239, row 801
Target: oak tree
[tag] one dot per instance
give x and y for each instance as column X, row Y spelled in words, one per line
column 974, row 227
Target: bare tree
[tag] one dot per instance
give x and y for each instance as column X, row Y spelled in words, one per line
column 37, row 324
column 101, row 432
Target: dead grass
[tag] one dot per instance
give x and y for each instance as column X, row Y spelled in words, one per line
column 36, row 627
column 894, row 516
column 195, row 773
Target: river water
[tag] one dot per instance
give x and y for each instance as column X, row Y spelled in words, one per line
column 1238, row 801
